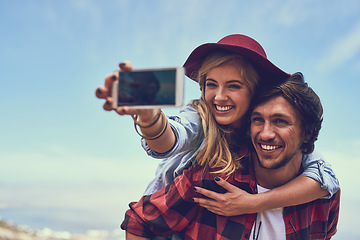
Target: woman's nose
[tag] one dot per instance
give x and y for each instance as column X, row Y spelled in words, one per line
column 221, row 95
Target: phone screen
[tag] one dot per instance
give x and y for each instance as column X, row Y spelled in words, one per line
column 148, row 87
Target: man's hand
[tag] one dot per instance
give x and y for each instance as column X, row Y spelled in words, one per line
column 235, row 202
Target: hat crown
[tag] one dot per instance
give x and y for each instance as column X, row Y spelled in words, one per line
column 243, row 41
column 241, row 45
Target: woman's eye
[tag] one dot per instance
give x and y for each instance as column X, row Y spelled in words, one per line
column 235, row 86
column 210, row 84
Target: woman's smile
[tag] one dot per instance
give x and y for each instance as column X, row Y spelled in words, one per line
column 223, row 108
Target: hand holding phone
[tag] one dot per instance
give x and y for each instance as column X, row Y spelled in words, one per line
column 149, row 88
column 105, row 92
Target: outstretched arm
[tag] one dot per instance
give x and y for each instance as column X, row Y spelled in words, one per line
column 236, row 201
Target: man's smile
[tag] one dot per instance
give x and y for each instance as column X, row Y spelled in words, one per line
column 268, row 147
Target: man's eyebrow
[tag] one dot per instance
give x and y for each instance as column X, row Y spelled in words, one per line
column 256, row 113
column 275, row 115
column 281, row 115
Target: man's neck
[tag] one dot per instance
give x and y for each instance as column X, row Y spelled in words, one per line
column 272, row 178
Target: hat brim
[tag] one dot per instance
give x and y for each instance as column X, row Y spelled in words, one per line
column 267, row 71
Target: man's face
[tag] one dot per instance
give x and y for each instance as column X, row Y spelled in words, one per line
column 276, row 133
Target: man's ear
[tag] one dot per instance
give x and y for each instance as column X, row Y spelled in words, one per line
column 307, row 135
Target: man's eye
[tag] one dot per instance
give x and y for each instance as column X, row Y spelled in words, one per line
column 257, row 120
column 281, row 122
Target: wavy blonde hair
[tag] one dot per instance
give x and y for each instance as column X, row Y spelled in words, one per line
column 222, row 142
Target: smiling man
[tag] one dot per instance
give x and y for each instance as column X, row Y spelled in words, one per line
column 277, row 134
column 285, row 123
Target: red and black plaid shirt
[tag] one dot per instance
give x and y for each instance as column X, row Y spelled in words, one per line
column 170, row 210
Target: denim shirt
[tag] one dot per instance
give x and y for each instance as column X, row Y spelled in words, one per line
column 190, row 140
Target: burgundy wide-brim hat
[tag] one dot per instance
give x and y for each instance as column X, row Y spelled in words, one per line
column 242, row 45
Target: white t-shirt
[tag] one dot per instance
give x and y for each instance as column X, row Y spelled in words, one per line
column 272, row 225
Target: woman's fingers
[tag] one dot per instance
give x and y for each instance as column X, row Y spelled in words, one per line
column 125, row 66
column 208, row 193
column 108, row 104
column 228, row 186
column 100, row 92
column 105, row 91
column 109, row 81
column 124, row 110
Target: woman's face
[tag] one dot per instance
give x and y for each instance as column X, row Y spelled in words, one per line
column 227, row 95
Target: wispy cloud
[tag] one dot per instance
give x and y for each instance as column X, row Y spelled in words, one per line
column 286, row 16
column 342, row 51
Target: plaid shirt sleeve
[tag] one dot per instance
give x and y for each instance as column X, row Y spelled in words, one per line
column 316, row 220
column 165, row 212
column 333, row 216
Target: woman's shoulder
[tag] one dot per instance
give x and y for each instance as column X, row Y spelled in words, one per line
column 188, row 115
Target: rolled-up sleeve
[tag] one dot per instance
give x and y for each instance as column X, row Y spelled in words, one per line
column 188, row 131
column 318, row 169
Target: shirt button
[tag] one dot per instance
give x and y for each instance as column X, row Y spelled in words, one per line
column 321, row 162
column 246, row 236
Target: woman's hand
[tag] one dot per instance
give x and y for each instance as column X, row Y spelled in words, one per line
column 105, row 92
column 235, row 202
column 145, row 115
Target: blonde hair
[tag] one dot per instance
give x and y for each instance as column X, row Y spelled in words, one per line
column 221, row 140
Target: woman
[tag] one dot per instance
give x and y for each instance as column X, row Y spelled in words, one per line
column 214, row 127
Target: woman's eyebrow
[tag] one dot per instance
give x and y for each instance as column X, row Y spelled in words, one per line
column 235, row 81
column 210, row 79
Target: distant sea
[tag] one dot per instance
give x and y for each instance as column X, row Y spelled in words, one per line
column 52, row 218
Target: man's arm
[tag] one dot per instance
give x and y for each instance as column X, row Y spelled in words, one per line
column 236, row 201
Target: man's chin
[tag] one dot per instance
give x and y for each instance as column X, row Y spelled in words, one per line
column 273, row 163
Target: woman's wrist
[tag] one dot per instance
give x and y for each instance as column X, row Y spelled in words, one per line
column 149, row 122
column 148, row 117
column 152, row 130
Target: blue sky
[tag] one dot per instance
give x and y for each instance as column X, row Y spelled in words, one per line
column 67, row 163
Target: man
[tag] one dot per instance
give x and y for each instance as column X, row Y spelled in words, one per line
column 285, row 123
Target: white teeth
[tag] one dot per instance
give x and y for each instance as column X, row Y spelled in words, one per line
column 223, row 108
column 268, row 147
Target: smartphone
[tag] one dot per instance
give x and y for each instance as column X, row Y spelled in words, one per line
column 149, row 88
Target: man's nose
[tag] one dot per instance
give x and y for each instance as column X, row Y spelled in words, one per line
column 267, row 132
